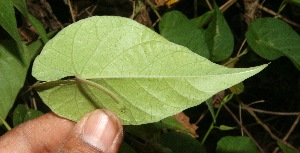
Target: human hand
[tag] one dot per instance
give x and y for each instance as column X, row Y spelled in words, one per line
column 98, row 131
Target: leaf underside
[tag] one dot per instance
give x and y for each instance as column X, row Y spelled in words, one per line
column 152, row 77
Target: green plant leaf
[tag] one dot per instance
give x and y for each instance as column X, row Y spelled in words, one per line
column 13, row 71
column 225, row 127
column 297, row 2
column 22, row 7
column 181, row 143
column 125, row 148
column 32, row 114
column 19, row 114
column 230, row 144
column 9, row 24
column 272, row 38
column 286, row 149
column 22, row 114
column 210, row 105
column 218, row 37
column 177, row 28
column 12, row 77
column 203, row 20
column 150, row 77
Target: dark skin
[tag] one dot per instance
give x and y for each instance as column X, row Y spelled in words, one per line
column 99, row 131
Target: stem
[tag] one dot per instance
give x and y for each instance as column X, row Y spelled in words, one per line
column 98, row 86
column 154, row 8
column 278, row 16
column 289, row 132
column 237, row 57
column 226, row 99
column 243, row 127
column 252, row 113
column 5, row 123
column 211, row 127
column 282, row 6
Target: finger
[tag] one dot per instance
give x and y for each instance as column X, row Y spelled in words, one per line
column 43, row 134
column 99, row 131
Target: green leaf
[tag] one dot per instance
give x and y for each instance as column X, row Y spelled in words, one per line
column 178, row 29
column 13, row 71
column 218, row 37
column 150, row 77
column 32, row 114
column 173, row 124
column 125, row 148
column 296, row 2
column 230, row 144
column 9, row 24
column 22, row 7
column 225, row 127
column 203, row 20
column 286, row 149
column 12, row 76
column 272, row 38
column 210, row 105
column 22, row 114
column 19, row 114
column 181, row 143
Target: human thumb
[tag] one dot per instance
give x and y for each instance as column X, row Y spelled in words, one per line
column 98, row 131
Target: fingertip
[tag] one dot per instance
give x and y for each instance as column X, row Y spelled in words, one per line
column 98, row 131
column 102, row 129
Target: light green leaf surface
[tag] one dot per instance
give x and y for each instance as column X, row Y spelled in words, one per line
column 152, row 77
column 230, row 144
column 218, row 37
column 177, row 28
column 272, row 38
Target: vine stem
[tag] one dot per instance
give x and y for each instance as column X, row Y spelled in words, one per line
column 212, row 125
column 244, row 128
column 252, row 113
column 5, row 123
column 154, row 8
column 98, row 86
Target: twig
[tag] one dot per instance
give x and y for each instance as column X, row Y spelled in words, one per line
column 236, row 58
column 225, row 6
column 256, row 102
column 208, row 4
column 153, row 7
column 98, row 86
column 71, row 10
column 289, row 132
column 272, row 113
column 4, row 123
column 241, row 47
column 241, row 118
column 201, row 117
column 266, row 127
column 279, row 16
column 242, row 126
